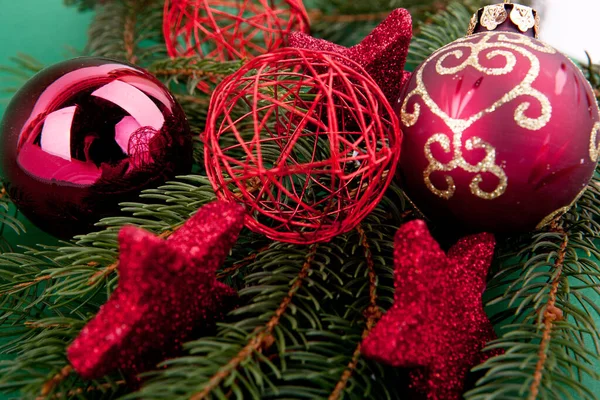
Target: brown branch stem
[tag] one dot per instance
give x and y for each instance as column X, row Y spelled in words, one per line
column 264, row 337
column 241, row 264
column 129, row 32
column 551, row 314
column 79, row 391
column 185, row 72
column 56, row 379
column 372, row 313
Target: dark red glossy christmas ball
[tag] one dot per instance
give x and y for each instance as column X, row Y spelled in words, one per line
column 501, row 134
column 86, row 134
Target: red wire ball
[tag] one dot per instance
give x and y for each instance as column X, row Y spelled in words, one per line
column 305, row 140
column 230, row 29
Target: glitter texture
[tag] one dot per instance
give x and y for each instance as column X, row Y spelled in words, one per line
column 594, row 147
column 382, row 53
column 437, row 324
column 500, row 132
column 167, row 292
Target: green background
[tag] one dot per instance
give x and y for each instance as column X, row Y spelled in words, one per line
column 51, row 32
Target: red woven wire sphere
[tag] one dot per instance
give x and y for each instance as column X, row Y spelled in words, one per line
column 305, row 140
column 230, row 29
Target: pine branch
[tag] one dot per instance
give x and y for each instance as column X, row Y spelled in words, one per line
column 348, row 22
column 7, row 219
column 56, row 285
column 265, row 338
column 440, row 30
column 551, row 314
column 254, row 357
column 593, row 74
column 372, row 313
column 199, row 76
column 541, row 296
column 128, row 30
column 51, row 292
column 22, row 67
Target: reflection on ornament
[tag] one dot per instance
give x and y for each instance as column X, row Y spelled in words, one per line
column 86, row 134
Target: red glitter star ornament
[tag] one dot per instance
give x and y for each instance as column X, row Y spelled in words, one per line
column 167, row 292
column 382, row 53
column 437, row 321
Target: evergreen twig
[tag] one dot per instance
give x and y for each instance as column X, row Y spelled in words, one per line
column 550, row 315
column 372, row 313
column 265, row 337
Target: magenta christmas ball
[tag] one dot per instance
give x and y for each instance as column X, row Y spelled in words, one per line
column 86, row 134
column 501, row 134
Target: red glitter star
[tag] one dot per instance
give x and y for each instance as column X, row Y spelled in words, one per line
column 382, row 53
column 437, row 321
column 167, row 291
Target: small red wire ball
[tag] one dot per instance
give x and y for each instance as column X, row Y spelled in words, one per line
column 305, row 140
column 226, row 30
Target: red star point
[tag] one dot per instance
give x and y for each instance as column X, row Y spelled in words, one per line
column 382, row 53
column 167, row 292
column 438, row 321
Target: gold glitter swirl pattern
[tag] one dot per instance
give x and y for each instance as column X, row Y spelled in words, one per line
column 488, row 164
column 435, row 165
column 505, row 46
column 595, row 148
column 473, row 61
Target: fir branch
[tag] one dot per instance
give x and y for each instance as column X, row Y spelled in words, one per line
column 63, row 290
column 79, row 392
column 193, row 73
column 129, row 30
column 241, row 264
column 551, row 340
column 265, row 337
column 313, row 343
column 372, row 313
column 56, row 379
column 8, row 220
column 20, row 69
column 49, row 283
column 443, row 28
column 107, row 271
column 593, row 75
column 550, row 316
